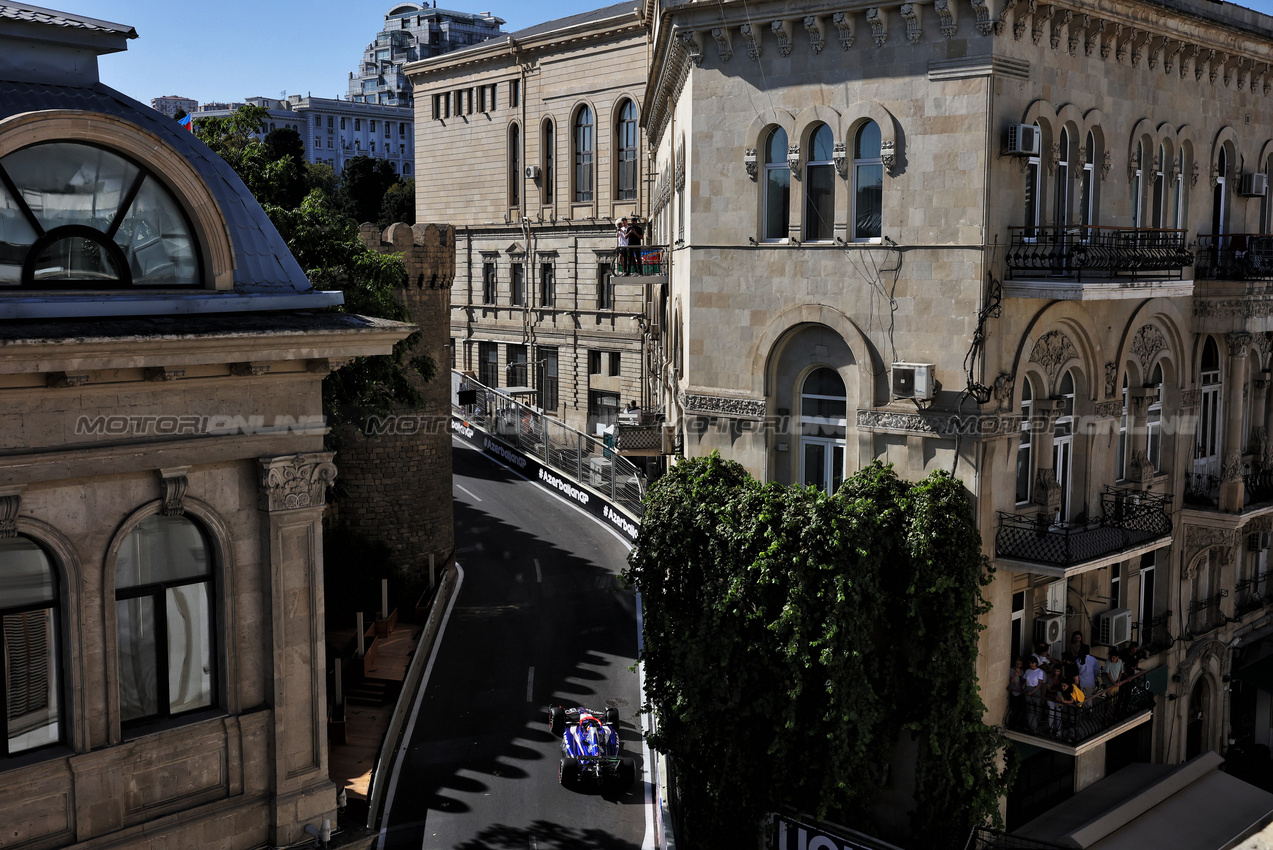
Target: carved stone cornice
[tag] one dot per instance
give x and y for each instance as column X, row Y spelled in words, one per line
column 700, row 404
column 1047, row 490
column 1169, row 58
column 1231, row 468
column 939, row 424
column 752, row 36
column 1111, row 379
column 1238, row 343
column 844, row 24
column 1051, row 351
column 910, row 13
column 1091, row 33
column 1108, row 409
column 817, row 38
column 295, row 481
column 1156, row 44
column 1149, row 340
column 1199, row 538
column 1190, row 398
column 888, row 156
column 1110, row 39
column 879, row 25
column 981, row 10
column 1107, row 163
column 174, row 483
column 945, row 10
column 692, row 44
column 1059, row 22
column 1138, row 401
column 1140, row 468
column 751, row 163
column 782, row 33
column 10, row 504
column 1039, row 20
column 1003, row 390
column 724, row 47
column 1072, row 34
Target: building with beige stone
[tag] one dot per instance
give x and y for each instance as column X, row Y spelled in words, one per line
column 530, row 143
column 162, row 474
column 1021, row 242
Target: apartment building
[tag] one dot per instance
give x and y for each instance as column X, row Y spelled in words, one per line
column 543, row 125
column 1025, row 243
column 413, row 31
column 169, row 104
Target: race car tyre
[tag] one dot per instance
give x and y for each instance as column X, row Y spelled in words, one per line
column 568, row 772
column 557, row 720
column 627, row 772
column 612, row 716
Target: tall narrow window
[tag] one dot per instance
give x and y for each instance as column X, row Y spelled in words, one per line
column 514, row 93
column 30, row 688
column 1219, row 195
column 583, row 154
column 517, row 376
column 1178, row 196
column 1159, row 209
column 1153, row 422
column 868, row 184
column 1116, row 585
column 1206, row 454
column 1061, row 203
column 1147, row 589
column 1121, row 460
column 488, row 364
column 819, row 187
column 625, row 153
column 514, row 166
column 547, row 285
column 547, row 153
column 1087, row 201
column 547, row 358
column 488, row 283
column 1063, row 446
column 777, row 201
column 517, row 281
column 165, row 620
column 823, row 411
column 605, row 287
column 1138, row 191
column 1025, row 449
column 1033, row 210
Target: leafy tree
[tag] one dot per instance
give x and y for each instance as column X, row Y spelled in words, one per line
column 321, row 176
column 284, row 141
column 363, row 184
column 179, row 114
column 399, row 204
column 784, row 632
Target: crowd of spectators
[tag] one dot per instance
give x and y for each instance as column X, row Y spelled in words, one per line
column 1046, row 693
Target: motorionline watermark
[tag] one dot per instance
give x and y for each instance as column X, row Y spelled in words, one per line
column 165, row 425
column 945, row 425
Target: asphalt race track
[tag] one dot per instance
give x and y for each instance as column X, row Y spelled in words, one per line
column 540, row 618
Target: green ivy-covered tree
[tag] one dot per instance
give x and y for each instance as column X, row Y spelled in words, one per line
column 790, row 639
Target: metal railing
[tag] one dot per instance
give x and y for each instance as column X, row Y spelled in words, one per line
column 1154, row 635
column 1130, row 518
column 1097, row 252
column 575, row 455
column 1203, row 489
column 1250, row 594
column 1046, row 717
column 1235, row 256
column 1205, row 614
column 641, row 260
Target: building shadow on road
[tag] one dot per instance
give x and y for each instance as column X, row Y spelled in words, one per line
column 546, row 835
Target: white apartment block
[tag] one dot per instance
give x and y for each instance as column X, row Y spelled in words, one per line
column 169, row 104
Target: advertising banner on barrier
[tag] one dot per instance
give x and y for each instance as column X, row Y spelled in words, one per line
column 547, row 477
column 791, row 834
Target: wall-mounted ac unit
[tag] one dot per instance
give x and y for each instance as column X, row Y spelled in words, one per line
column 913, row 380
column 1253, row 185
column 1056, row 593
column 1114, row 627
column 1049, row 629
column 532, row 172
column 1023, row 140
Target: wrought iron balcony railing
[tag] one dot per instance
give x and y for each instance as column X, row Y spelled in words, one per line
column 1250, row 594
column 1202, row 490
column 1097, row 252
column 1047, row 717
column 1205, row 614
column 1130, row 518
column 1235, row 256
column 1154, row 635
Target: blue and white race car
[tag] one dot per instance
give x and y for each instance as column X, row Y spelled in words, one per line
column 590, row 746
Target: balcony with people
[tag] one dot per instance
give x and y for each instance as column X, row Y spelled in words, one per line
column 1052, row 710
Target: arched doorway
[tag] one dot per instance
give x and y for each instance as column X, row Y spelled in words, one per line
column 1196, row 725
column 823, row 412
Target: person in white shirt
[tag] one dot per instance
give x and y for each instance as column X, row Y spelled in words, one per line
column 1035, row 682
column 1089, row 669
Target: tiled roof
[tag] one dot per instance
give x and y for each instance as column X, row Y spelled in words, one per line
column 40, row 15
column 263, row 264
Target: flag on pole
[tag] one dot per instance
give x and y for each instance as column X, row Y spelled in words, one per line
column 187, row 123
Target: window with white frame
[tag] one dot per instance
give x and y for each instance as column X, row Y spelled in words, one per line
column 777, row 187
column 1061, row 199
column 823, row 420
column 1153, row 421
column 1206, row 455
column 1033, row 201
column 1219, row 197
column 1025, row 448
column 1121, row 457
column 1178, row 195
column 30, row 689
column 1063, row 446
column 1138, row 187
column 1158, row 211
column 1087, row 185
column 868, row 184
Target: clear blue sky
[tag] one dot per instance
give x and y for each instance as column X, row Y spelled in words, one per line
column 232, row 49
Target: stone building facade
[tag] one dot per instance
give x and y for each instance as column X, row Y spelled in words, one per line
column 544, row 127
column 162, row 474
column 1017, row 241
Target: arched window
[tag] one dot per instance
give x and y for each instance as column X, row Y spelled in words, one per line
column 823, row 412
column 1033, row 190
column 1121, row 459
column 1178, row 196
column 1025, row 449
column 514, row 165
column 1220, row 195
column 85, row 217
column 1061, row 203
column 30, row 687
column 868, row 184
column 1206, row 454
column 1087, row 203
column 777, row 202
column 1063, row 445
column 583, row 154
column 1138, row 177
column 548, row 154
column 819, row 187
column 625, row 153
column 1153, row 422
column 1159, row 210
column 165, row 620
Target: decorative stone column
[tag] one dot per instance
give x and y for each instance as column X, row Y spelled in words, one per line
column 1047, row 490
column 1232, row 489
column 1262, row 414
column 293, row 492
column 1140, row 468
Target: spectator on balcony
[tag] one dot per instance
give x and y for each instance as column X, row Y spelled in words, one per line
column 1076, row 643
column 1043, row 655
column 1035, row 683
column 1016, row 691
column 1069, row 669
column 1089, row 669
column 622, row 232
column 1132, row 658
column 1115, row 670
column 634, row 247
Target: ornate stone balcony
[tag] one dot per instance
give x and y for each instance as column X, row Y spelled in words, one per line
column 1132, row 521
column 1080, row 263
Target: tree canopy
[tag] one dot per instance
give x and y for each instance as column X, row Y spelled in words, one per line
column 794, row 640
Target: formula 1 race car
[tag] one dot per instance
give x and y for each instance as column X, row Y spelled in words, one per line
column 590, row 746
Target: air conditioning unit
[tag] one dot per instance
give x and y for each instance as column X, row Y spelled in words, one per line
column 1049, row 629
column 913, row 380
column 1114, row 627
column 532, row 172
column 1056, row 593
column 1253, row 185
column 1023, row 140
